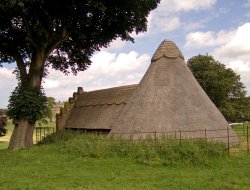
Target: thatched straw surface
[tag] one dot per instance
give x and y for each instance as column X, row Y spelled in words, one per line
column 169, row 98
column 98, row 109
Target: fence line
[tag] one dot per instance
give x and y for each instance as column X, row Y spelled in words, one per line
column 162, row 132
column 242, row 132
column 41, row 132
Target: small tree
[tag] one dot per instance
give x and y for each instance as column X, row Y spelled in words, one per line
column 62, row 34
column 222, row 85
column 49, row 111
column 3, row 123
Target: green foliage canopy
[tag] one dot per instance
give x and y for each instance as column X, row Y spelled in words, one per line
column 66, row 32
column 62, row 34
column 26, row 103
column 222, row 85
column 51, row 103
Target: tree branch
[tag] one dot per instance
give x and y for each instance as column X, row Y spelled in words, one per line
column 21, row 66
column 56, row 41
column 28, row 30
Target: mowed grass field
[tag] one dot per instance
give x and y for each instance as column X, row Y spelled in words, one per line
column 64, row 165
column 45, row 167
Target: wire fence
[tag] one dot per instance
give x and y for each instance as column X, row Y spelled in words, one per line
column 237, row 142
column 42, row 132
column 242, row 131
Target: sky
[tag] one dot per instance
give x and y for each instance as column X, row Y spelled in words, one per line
column 220, row 28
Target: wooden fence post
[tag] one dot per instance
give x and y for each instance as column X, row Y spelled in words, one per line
column 155, row 137
column 36, row 134
column 180, row 137
column 247, row 141
column 228, row 147
column 40, row 133
column 243, row 126
column 205, row 134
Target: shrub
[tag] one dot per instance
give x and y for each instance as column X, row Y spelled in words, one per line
column 168, row 152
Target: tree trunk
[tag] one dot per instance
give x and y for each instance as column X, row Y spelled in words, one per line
column 22, row 136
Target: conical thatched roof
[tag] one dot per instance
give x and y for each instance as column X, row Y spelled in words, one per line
column 169, row 98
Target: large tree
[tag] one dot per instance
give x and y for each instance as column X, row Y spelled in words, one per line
column 222, row 85
column 62, row 34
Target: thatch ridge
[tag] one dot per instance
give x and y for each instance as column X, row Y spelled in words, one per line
column 109, row 96
column 167, row 49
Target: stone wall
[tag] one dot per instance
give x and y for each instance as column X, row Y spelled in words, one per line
column 56, row 110
column 62, row 117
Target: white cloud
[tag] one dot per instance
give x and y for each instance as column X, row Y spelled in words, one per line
column 107, row 70
column 247, row 4
column 164, row 24
column 239, row 43
column 196, row 40
column 232, row 48
column 171, row 24
column 232, row 42
column 139, row 35
column 187, row 5
column 239, row 65
column 7, row 84
column 235, row 53
column 165, row 17
column 7, row 78
column 48, row 83
column 106, row 63
column 117, row 44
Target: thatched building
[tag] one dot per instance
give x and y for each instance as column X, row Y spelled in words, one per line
column 167, row 101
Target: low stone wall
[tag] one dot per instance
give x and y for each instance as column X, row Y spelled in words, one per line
column 61, row 118
column 56, row 110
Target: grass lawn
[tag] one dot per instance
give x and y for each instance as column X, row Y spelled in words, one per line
column 45, row 167
column 64, row 165
column 61, row 166
column 3, row 145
